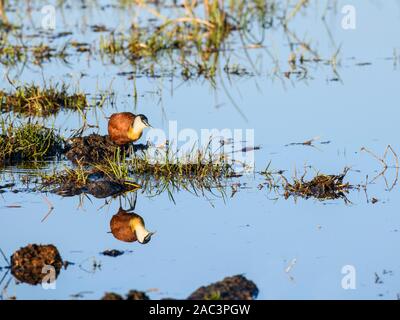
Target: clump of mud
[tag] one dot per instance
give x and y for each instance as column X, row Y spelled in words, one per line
column 230, row 288
column 96, row 148
column 27, row 263
column 112, row 296
column 321, row 187
column 137, row 295
column 132, row 295
column 91, row 149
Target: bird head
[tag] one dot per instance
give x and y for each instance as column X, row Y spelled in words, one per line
column 143, row 119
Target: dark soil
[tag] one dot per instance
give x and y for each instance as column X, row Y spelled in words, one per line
column 27, row 263
column 91, row 149
column 111, row 296
column 230, row 288
column 137, row 295
column 95, row 148
column 132, row 295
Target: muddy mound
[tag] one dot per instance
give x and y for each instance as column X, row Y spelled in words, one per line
column 230, row 288
column 132, row 295
column 91, row 149
column 137, row 295
column 27, row 263
column 112, row 296
column 95, row 148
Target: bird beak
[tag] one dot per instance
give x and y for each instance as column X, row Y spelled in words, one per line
column 147, row 124
column 147, row 238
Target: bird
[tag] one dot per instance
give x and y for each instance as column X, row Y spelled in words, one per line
column 126, row 127
column 129, row 227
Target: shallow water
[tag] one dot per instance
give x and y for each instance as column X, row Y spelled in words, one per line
column 200, row 240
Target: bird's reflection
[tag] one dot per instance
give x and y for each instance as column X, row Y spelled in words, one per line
column 128, row 226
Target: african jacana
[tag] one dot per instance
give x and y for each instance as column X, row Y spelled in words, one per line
column 129, row 227
column 126, row 127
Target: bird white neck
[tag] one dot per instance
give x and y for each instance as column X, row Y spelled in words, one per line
column 141, row 232
column 138, row 125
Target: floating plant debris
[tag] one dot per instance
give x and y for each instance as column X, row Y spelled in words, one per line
column 321, row 187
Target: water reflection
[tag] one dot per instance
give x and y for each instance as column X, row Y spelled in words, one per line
column 129, row 227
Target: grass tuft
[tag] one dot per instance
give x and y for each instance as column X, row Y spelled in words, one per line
column 32, row 100
column 30, row 141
